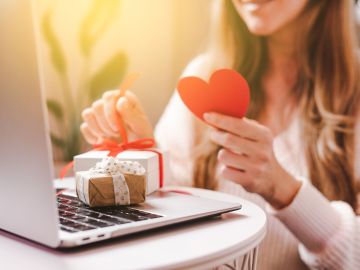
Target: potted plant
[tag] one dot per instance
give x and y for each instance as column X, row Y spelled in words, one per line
column 66, row 111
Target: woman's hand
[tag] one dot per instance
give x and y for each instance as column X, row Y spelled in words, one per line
column 248, row 159
column 100, row 120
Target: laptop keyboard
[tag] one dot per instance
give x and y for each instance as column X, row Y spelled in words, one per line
column 75, row 216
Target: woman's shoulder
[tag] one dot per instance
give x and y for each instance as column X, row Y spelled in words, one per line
column 200, row 66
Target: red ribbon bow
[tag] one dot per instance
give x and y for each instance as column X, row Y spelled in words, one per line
column 115, row 148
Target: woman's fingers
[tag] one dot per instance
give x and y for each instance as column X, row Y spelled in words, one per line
column 90, row 119
column 244, row 127
column 233, row 160
column 238, row 144
column 237, row 176
column 133, row 115
column 254, row 168
column 109, row 98
column 101, row 119
column 88, row 135
column 248, row 159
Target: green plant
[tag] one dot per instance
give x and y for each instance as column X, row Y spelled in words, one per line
column 67, row 111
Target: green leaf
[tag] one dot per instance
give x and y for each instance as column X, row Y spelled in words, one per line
column 100, row 15
column 109, row 76
column 56, row 141
column 56, row 53
column 55, row 109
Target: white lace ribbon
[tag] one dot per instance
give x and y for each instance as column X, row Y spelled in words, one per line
column 121, row 190
column 114, row 167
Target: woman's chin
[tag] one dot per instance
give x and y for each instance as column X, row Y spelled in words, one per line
column 260, row 29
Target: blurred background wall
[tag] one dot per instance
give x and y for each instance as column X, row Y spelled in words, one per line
column 156, row 38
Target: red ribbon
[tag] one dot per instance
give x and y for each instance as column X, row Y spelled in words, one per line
column 115, row 148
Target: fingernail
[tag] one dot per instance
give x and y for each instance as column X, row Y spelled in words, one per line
column 121, row 104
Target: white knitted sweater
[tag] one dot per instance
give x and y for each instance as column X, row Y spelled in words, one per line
column 311, row 232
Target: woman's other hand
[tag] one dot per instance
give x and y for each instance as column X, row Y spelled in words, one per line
column 100, row 120
column 247, row 158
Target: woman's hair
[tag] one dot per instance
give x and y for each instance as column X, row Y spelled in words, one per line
column 326, row 91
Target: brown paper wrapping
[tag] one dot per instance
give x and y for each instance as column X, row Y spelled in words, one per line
column 101, row 190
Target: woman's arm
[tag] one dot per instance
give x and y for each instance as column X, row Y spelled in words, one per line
column 329, row 232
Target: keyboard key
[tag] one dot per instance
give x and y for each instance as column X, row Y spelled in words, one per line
column 67, row 222
column 128, row 216
column 115, row 220
column 96, row 215
column 142, row 213
column 63, row 213
column 67, row 229
column 82, row 219
column 62, row 206
column 66, row 207
column 76, row 203
column 135, row 211
column 82, row 227
column 64, row 201
column 151, row 216
column 74, row 225
column 76, row 216
column 82, row 212
column 97, row 223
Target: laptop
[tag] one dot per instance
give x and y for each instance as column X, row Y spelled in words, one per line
column 29, row 206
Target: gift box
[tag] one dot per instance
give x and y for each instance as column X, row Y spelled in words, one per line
column 148, row 159
column 112, row 182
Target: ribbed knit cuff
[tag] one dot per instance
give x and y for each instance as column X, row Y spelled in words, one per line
column 310, row 217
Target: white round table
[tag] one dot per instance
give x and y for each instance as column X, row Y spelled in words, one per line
column 229, row 241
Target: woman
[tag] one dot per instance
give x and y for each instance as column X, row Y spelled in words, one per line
column 298, row 156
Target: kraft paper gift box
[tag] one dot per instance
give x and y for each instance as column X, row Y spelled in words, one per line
column 149, row 160
column 112, row 182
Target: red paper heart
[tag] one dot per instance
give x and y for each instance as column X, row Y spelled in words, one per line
column 227, row 93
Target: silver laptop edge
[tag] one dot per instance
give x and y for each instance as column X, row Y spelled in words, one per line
column 25, row 178
column 27, row 193
column 174, row 209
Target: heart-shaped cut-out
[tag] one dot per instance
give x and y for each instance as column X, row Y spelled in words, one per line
column 227, row 93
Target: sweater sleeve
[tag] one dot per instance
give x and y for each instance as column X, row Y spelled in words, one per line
column 329, row 232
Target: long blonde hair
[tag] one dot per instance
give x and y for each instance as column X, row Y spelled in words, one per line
column 326, row 91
